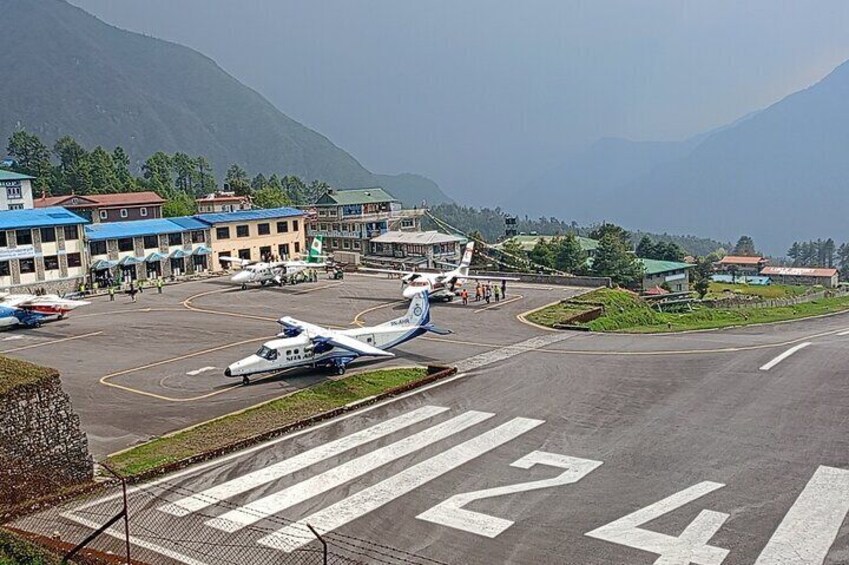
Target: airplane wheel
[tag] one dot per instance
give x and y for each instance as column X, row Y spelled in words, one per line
column 340, row 370
column 244, row 287
column 61, row 317
column 262, row 283
column 246, row 380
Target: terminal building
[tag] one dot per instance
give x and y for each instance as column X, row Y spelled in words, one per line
column 118, row 207
column 414, row 250
column 41, row 249
column 255, row 235
column 15, row 191
column 349, row 219
column 148, row 249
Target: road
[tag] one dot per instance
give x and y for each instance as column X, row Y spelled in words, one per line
column 725, row 447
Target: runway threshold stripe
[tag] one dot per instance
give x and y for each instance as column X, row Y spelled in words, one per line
column 303, row 460
column 297, row 535
column 784, row 356
column 810, row 527
column 239, row 518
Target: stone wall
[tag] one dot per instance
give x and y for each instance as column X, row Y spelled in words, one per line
column 593, row 282
column 42, row 448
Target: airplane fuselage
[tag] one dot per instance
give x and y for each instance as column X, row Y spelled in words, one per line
column 260, row 273
column 299, row 351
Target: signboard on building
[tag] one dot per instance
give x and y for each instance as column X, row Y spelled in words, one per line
column 22, row 252
column 352, row 210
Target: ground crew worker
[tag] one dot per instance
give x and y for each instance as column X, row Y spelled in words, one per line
column 159, row 285
column 111, row 294
column 465, row 295
column 503, row 288
column 478, row 292
column 487, row 292
column 497, row 292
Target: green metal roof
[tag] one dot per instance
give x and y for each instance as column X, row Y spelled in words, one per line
column 528, row 242
column 373, row 195
column 9, row 175
column 655, row 267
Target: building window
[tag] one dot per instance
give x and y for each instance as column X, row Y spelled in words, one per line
column 125, row 244
column 334, row 243
column 297, row 247
column 282, row 227
column 104, row 214
column 283, row 250
column 123, row 213
column 151, row 242
column 97, row 248
column 51, row 263
column 23, row 237
column 13, row 191
column 75, row 260
column 5, row 271
column 346, row 244
column 3, row 242
column 71, row 233
column 27, row 265
column 245, row 254
column 357, row 244
column 222, row 233
column 263, row 229
column 175, row 239
column 224, row 264
column 294, row 225
column 16, row 206
column 243, row 231
column 198, row 237
column 143, row 212
column 265, row 253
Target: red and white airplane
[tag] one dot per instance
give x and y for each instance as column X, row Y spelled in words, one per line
column 46, row 305
column 442, row 285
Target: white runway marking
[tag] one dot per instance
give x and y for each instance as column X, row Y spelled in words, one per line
column 303, row 460
column 199, row 371
column 846, row 332
column 13, row 338
column 239, row 518
column 784, row 356
column 811, row 525
column 367, row 500
column 496, row 355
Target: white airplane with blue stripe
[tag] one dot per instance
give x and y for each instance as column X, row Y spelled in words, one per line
column 302, row 344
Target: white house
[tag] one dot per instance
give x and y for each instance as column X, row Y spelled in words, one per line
column 15, row 191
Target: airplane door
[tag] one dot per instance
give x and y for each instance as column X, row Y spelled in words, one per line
column 369, row 339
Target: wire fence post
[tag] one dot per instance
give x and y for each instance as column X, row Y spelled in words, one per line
column 323, row 543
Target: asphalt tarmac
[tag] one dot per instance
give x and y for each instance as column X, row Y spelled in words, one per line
column 724, row 447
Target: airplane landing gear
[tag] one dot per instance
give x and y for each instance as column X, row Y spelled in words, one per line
column 244, row 286
column 340, row 370
column 246, row 380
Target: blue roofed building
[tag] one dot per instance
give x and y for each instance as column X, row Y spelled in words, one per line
column 41, row 248
column 255, row 235
column 148, row 249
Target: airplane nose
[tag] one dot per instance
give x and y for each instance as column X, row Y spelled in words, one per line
column 411, row 292
column 227, row 372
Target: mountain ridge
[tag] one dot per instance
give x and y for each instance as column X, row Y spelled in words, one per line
column 73, row 74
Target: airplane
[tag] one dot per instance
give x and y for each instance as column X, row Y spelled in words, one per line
column 301, row 344
column 263, row 272
column 31, row 311
column 439, row 285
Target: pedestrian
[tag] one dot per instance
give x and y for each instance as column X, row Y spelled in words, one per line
column 111, row 294
column 465, row 295
column 504, row 288
column 159, row 285
column 497, row 292
column 141, row 287
column 487, row 293
column 478, row 292
column 132, row 291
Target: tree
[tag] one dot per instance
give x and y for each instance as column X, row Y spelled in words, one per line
column 794, row 253
column 237, row 179
column 843, row 260
column 74, row 166
column 180, row 204
column 270, row 197
column 185, row 172
column 618, row 232
column 645, row 248
column 702, row 286
column 259, row 182
column 31, row 157
column 613, row 259
column 542, row 253
column 157, row 173
column 569, row 256
column 745, row 246
column 121, row 166
column 205, row 182
column 102, row 172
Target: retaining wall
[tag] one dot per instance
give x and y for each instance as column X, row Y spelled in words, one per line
column 560, row 280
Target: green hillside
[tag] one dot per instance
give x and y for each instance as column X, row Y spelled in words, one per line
column 68, row 73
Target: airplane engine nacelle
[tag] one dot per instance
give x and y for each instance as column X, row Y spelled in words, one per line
column 291, row 332
column 321, row 347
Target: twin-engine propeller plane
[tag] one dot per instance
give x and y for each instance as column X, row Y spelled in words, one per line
column 439, row 286
column 31, row 311
column 301, row 344
column 264, row 272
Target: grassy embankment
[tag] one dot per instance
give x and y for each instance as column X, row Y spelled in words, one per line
column 261, row 419
column 17, row 551
column 768, row 292
column 626, row 312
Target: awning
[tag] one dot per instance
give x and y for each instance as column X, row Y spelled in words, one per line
column 155, row 257
column 202, row 250
column 178, row 254
column 102, row 265
column 129, row 260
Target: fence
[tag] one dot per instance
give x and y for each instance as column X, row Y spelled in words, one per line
column 140, row 523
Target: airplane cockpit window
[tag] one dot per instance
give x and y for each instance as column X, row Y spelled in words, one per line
column 267, row 353
column 418, row 283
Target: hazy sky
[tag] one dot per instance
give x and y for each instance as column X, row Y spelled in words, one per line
column 482, row 95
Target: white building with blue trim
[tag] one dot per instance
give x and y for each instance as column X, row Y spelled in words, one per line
column 15, row 191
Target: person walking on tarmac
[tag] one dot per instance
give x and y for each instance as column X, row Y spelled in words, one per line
column 111, row 294
column 503, row 288
column 159, row 285
column 465, row 295
column 497, row 292
column 132, row 291
column 487, row 292
column 478, row 292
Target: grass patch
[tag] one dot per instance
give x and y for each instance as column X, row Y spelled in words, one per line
column 264, row 418
column 626, row 312
column 18, row 551
column 773, row 291
column 14, row 373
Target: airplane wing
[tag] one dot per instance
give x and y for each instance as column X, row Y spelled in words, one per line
column 355, row 345
column 237, row 260
column 412, row 275
column 293, row 327
column 488, row 278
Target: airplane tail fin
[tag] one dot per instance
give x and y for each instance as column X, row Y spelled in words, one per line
column 418, row 314
column 315, row 250
column 467, row 258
